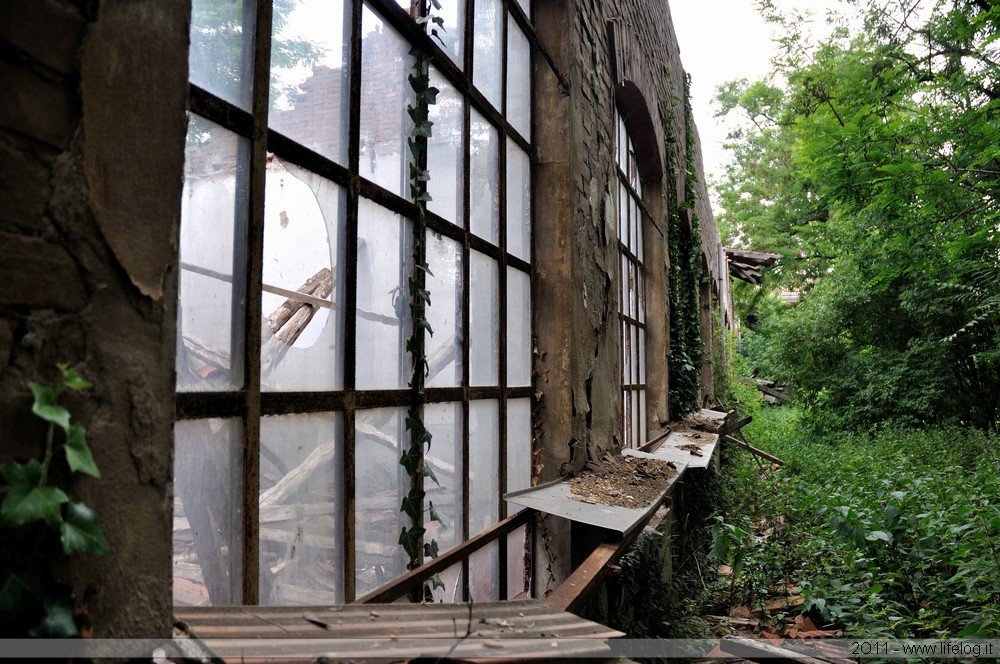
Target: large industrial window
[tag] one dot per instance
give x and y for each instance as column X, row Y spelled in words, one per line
column 296, row 236
column 632, row 312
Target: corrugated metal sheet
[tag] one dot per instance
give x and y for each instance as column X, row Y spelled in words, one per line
column 515, row 631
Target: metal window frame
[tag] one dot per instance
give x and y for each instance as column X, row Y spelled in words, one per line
column 249, row 403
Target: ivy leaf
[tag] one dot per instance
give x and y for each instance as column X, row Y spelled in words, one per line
column 18, row 595
column 58, row 622
column 45, row 406
column 436, row 582
column 434, row 514
column 78, row 454
column 411, row 504
column 410, row 460
column 24, row 475
column 81, row 532
column 431, row 549
column 25, row 504
column 427, row 472
column 72, row 379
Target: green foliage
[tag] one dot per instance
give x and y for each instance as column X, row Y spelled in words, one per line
column 33, row 512
column 686, row 348
column 869, row 161
column 893, row 533
column 413, row 458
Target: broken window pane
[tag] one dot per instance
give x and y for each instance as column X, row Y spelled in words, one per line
column 453, row 35
column 208, row 504
column 310, row 76
column 518, row 107
column 445, row 149
column 484, row 334
column 518, row 202
column 302, row 336
column 210, row 319
column 301, row 509
column 222, row 35
column 380, row 484
column 385, row 93
column 518, row 328
column 488, row 49
column 444, row 347
column 452, row 580
column 484, row 453
column 484, row 173
column 444, row 458
column 383, row 309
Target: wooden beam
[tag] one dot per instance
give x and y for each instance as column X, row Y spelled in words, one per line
column 753, row 450
column 753, row 257
column 777, row 394
column 734, row 426
column 413, row 579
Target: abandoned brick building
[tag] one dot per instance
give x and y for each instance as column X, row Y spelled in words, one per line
column 208, row 212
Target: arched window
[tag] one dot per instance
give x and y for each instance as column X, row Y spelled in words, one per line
column 632, row 309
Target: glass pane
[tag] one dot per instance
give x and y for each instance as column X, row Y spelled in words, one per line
column 488, row 48
column 622, row 213
column 518, row 546
column 445, row 149
column 518, row 80
column 310, row 74
column 484, row 200
column 641, row 295
column 518, row 328
column 444, row 347
column 642, row 356
column 484, row 574
column 444, row 422
column 452, row 38
column 385, row 93
column 633, row 226
column 380, row 484
column 634, row 350
column 383, row 310
column 208, row 503
column 301, row 509
column 637, row 438
column 484, row 335
column 452, row 591
column 220, row 59
column 518, row 444
column 643, row 428
column 518, row 202
column 484, row 453
column 526, row 6
column 626, row 419
column 209, row 318
column 302, row 339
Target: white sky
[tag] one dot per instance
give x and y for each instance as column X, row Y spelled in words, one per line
column 722, row 40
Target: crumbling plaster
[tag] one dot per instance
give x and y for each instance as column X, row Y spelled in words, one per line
column 91, row 155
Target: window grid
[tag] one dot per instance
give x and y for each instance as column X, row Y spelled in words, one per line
column 632, row 310
column 245, row 403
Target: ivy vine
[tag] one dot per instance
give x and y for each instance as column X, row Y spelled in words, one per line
column 34, row 511
column 686, row 350
column 411, row 537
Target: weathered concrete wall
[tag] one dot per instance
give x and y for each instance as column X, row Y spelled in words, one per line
column 577, row 287
column 91, row 152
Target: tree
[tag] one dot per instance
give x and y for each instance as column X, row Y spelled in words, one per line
column 872, row 163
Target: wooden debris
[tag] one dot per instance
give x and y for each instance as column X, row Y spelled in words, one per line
column 753, row 450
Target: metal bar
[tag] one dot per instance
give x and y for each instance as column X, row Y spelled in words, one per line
column 199, row 405
column 219, row 111
column 404, row 584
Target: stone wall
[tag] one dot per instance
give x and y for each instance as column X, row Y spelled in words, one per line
column 91, row 151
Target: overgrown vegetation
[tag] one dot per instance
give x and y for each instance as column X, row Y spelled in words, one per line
column 686, row 351
column 893, row 532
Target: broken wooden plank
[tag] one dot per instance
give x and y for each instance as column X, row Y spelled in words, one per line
column 734, row 426
column 753, row 450
column 757, row 649
column 777, row 394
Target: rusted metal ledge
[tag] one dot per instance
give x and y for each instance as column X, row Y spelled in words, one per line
column 576, row 590
column 413, row 579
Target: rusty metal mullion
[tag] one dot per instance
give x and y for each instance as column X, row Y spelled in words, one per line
column 254, row 261
column 350, row 304
column 200, row 405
